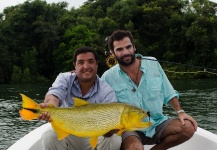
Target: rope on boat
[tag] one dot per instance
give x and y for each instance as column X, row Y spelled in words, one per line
column 111, row 61
column 204, row 69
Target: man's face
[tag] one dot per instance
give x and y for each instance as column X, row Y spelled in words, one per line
column 124, row 51
column 86, row 67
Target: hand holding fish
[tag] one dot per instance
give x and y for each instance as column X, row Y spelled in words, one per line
column 48, row 101
column 44, row 116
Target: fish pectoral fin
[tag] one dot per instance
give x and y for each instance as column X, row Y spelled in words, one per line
column 93, row 142
column 120, row 132
column 79, row 102
column 144, row 124
column 141, row 125
column 61, row 134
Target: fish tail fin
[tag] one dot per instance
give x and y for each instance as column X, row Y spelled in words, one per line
column 30, row 108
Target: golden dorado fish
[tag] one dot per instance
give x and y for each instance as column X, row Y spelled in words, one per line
column 86, row 119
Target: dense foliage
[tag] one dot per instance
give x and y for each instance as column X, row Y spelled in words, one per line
column 37, row 39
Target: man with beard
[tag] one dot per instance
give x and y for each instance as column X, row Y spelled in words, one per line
column 140, row 81
column 85, row 84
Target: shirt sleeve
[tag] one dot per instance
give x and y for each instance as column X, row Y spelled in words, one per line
column 103, row 77
column 108, row 94
column 59, row 87
column 168, row 89
column 110, row 97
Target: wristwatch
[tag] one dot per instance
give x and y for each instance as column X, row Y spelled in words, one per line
column 179, row 111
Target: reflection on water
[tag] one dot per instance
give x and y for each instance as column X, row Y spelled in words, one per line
column 197, row 97
column 11, row 126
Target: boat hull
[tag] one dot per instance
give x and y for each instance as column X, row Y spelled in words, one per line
column 201, row 140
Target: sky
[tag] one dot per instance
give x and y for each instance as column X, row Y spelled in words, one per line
column 72, row 3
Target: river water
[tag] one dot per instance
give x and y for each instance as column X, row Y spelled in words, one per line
column 197, row 97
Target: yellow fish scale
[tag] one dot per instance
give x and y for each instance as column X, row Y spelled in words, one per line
column 102, row 117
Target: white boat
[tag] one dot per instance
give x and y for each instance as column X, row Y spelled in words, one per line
column 202, row 140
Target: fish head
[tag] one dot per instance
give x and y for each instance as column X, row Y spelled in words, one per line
column 134, row 118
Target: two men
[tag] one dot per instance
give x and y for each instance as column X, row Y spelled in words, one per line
column 136, row 80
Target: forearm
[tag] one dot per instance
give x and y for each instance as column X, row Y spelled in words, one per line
column 51, row 99
column 174, row 103
column 182, row 115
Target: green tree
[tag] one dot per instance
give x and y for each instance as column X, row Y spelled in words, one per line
column 73, row 39
column 16, row 75
column 40, row 38
column 36, row 25
column 29, row 61
column 202, row 33
column 26, row 76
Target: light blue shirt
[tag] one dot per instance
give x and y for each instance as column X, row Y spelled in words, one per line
column 153, row 91
column 66, row 87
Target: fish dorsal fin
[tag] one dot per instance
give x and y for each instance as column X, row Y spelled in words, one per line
column 140, row 126
column 79, row 102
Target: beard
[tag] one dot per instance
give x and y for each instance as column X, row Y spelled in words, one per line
column 122, row 62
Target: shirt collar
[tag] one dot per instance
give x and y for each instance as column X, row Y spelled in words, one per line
column 91, row 91
column 143, row 66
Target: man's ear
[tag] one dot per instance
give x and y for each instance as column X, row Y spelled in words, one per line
column 74, row 64
column 112, row 52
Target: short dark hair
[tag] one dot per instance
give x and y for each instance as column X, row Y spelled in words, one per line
column 83, row 49
column 117, row 36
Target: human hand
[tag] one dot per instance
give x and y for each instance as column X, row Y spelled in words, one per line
column 45, row 116
column 183, row 116
column 110, row 133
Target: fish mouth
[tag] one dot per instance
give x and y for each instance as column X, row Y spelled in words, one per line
column 145, row 116
column 148, row 113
